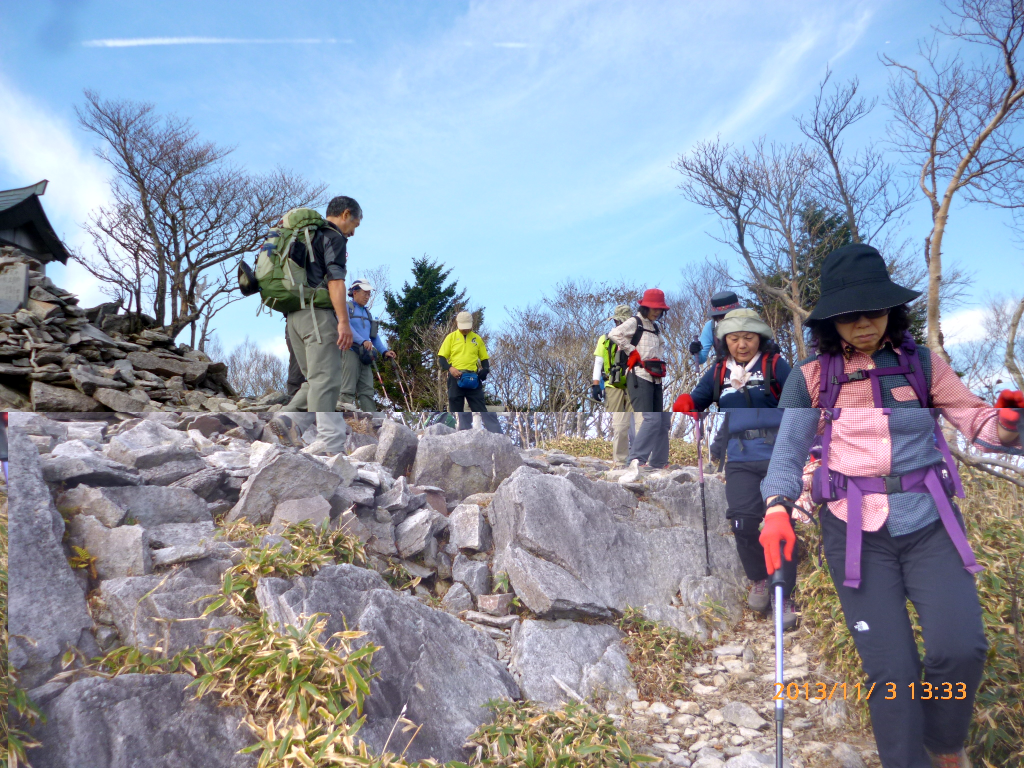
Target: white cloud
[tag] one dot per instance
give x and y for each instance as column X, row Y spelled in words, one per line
column 35, row 145
column 135, row 42
column 963, row 326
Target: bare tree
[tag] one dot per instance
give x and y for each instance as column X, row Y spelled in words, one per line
column 254, row 372
column 761, row 196
column 783, row 208
column 862, row 187
column 544, row 353
column 957, row 120
column 182, row 214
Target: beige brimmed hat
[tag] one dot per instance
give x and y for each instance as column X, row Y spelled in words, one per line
column 464, row 321
column 739, row 320
column 621, row 314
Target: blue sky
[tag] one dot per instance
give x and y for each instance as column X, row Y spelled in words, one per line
column 518, row 142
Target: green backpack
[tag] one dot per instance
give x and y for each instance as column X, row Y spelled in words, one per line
column 282, row 280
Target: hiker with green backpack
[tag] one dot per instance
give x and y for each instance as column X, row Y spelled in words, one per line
column 300, row 272
column 610, row 384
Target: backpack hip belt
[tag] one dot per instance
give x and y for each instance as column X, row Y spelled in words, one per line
column 830, row 485
column 753, row 434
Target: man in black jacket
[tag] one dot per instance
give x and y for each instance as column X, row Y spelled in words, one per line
column 316, row 335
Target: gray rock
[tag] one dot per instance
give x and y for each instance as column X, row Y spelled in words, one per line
column 495, row 605
column 47, row 612
column 92, row 469
column 377, row 536
column 439, row 429
column 181, row 534
column 589, row 658
column 139, row 720
column 145, row 505
column 469, row 528
column 37, row 424
column 441, row 669
column 46, row 397
column 400, row 500
column 315, row 509
column 847, row 756
column 87, row 430
column 364, row 452
column 568, row 555
column 288, row 476
column 343, row 468
column 682, row 501
column 163, row 613
column 357, row 440
column 396, row 447
column 122, row 551
column 412, row 535
column 743, row 715
column 87, row 382
column 172, row 471
column 457, row 599
column 475, row 575
column 207, row 484
column 150, row 444
column 357, row 495
column 463, row 463
column 131, row 401
column 754, row 760
column 83, row 500
column 192, row 371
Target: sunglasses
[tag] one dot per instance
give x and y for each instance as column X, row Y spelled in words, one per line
column 853, row 317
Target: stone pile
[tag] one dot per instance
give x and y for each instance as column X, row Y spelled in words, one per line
column 518, row 564
column 58, row 356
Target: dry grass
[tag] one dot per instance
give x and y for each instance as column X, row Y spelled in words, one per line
column 533, row 737
column 679, row 452
column 658, row 656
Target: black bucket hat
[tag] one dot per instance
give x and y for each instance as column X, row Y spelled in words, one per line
column 854, row 279
column 723, row 302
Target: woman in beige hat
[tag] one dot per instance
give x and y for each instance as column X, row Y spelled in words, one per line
column 746, row 383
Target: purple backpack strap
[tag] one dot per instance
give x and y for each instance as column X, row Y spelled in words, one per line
column 919, row 383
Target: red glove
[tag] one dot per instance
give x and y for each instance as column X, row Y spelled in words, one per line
column 634, row 360
column 1010, row 403
column 684, row 404
column 777, row 529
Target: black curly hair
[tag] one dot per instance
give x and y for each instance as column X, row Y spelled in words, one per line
column 827, row 341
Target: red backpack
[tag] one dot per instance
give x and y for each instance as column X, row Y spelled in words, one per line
column 770, row 380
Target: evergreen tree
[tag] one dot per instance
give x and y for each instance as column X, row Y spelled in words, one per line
column 418, row 314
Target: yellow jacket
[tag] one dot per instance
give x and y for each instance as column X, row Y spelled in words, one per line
column 463, row 352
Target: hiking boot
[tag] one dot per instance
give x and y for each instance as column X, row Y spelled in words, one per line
column 286, row 431
column 954, row 760
column 759, row 598
column 790, row 616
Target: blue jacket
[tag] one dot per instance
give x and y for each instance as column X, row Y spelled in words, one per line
column 761, row 413
column 359, row 318
column 707, row 341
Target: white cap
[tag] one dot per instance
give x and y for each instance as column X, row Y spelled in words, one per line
column 361, row 284
column 464, row 321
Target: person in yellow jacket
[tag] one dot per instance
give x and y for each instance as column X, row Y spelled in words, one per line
column 464, row 355
column 616, row 399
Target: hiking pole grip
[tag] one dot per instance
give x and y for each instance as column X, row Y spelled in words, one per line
column 778, row 587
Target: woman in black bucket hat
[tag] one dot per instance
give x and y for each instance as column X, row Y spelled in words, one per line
column 890, row 525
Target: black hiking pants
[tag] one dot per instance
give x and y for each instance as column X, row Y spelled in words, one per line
column 746, row 513
column 925, row 568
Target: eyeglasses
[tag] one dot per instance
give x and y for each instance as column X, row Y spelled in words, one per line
column 853, row 317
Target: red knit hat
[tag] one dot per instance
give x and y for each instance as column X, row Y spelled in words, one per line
column 654, row 298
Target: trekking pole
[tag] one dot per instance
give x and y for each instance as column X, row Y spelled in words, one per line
column 401, row 376
column 703, row 503
column 778, row 586
column 382, row 387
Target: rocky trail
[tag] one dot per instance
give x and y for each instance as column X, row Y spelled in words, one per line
column 731, row 716
column 489, row 573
